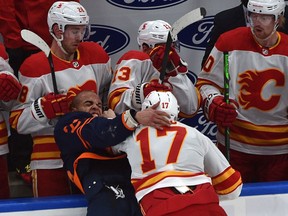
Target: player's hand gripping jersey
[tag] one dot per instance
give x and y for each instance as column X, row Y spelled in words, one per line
column 89, row 137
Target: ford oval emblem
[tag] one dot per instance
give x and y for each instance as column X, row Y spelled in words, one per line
column 110, row 38
column 144, row 4
column 200, row 122
column 197, row 35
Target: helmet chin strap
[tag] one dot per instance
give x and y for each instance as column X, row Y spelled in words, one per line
column 59, row 43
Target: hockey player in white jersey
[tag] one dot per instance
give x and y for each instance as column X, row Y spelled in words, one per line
column 177, row 171
column 257, row 113
column 77, row 64
column 137, row 72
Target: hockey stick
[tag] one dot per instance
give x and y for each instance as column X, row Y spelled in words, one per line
column 177, row 26
column 37, row 41
column 226, row 98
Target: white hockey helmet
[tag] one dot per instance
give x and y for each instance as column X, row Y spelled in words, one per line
column 66, row 13
column 270, row 7
column 153, row 32
column 168, row 103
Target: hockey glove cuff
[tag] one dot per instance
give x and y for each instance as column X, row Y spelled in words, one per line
column 143, row 89
column 138, row 96
column 50, row 106
column 129, row 119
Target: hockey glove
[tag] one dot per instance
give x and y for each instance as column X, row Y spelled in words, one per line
column 218, row 111
column 154, row 85
column 50, row 106
column 10, row 87
column 143, row 89
column 175, row 64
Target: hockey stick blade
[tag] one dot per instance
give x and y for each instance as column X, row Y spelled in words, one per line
column 34, row 39
column 37, row 41
column 186, row 20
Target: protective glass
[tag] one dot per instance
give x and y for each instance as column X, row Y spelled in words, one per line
column 175, row 45
column 78, row 32
column 261, row 18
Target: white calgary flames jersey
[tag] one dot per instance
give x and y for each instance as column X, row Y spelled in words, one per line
column 135, row 67
column 90, row 70
column 177, row 156
column 259, row 83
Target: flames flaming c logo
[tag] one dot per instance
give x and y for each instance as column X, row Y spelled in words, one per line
column 252, row 86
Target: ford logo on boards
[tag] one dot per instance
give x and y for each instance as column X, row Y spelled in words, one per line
column 200, row 122
column 197, row 35
column 110, row 38
column 144, row 4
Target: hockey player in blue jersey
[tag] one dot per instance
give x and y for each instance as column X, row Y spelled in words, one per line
column 84, row 137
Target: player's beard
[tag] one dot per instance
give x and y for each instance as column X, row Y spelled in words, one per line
column 262, row 39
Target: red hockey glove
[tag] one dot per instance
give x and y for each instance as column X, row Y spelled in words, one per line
column 218, row 111
column 10, row 87
column 175, row 64
column 155, row 86
column 50, row 106
column 143, row 89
